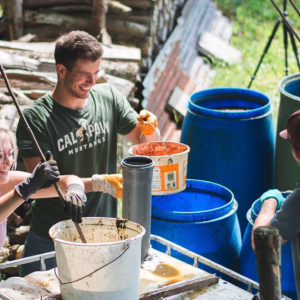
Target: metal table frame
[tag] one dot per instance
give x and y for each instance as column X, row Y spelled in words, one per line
column 251, row 284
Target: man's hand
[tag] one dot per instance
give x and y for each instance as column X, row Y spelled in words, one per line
column 111, row 184
column 147, row 122
column 75, row 200
column 43, row 176
column 273, row 193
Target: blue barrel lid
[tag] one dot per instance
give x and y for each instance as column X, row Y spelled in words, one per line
column 201, row 201
column 230, row 103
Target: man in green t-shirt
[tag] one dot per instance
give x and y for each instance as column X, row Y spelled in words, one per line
column 78, row 122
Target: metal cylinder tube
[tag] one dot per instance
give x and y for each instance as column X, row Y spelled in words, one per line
column 137, row 194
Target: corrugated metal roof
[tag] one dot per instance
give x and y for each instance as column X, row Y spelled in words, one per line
column 178, row 63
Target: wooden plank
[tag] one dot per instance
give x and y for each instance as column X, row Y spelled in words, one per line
column 15, row 18
column 210, row 44
column 118, row 52
column 126, row 70
column 98, row 17
column 44, row 49
column 26, row 80
column 180, row 287
column 118, row 8
column 48, row 3
column 35, row 18
column 128, row 28
column 178, row 101
column 17, row 61
column 268, row 259
column 138, row 4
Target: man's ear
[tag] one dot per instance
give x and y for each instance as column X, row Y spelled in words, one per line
column 61, row 70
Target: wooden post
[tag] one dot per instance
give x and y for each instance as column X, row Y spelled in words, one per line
column 15, row 18
column 268, row 260
column 99, row 21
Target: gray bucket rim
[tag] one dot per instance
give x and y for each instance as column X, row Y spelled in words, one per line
column 106, row 219
column 197, row 216
column 251, row 113
column 284, row 81
column 187, row 150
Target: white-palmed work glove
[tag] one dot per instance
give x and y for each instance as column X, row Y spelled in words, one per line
column 111, row 184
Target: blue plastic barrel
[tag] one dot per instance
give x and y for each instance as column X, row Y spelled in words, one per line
column 287, row 171
column 248, row 260
column 203, row 219
column 231, row 136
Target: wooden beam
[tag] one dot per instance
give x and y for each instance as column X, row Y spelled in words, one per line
column 15, row 18
column 180, row 287
column 98, row 16
column 49, row 3
column 268, row 260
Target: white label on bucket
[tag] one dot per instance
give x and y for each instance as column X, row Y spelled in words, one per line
column 156, row 179
column 170, row 180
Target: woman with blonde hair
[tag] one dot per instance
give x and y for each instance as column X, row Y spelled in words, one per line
column 16, row 187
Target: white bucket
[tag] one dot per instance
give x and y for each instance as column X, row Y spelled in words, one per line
column 107, row 267
column 170, row 169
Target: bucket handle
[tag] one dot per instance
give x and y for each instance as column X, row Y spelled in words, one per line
column 62, row 283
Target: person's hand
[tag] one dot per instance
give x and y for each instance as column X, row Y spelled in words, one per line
column 147, row 122
column 273, row 193
column 75, row 200
column 111, row 184
column 43, row 176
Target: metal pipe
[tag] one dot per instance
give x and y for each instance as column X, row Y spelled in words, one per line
column 137, row 194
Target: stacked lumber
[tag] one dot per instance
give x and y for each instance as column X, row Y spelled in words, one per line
column 147, row 25
column 47, row 19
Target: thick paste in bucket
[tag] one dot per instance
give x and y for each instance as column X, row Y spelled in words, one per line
column 158, row 149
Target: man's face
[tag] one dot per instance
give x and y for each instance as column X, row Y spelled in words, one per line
column 79, row 81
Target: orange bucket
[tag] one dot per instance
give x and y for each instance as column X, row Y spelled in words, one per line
column 170, row 169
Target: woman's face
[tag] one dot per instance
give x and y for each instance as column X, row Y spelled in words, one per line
column 6, row 158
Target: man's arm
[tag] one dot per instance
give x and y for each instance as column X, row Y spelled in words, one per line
column 267, row 212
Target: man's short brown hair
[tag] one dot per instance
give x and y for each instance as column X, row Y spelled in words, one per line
column 76, row 45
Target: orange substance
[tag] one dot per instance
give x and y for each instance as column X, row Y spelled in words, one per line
column 158, row 149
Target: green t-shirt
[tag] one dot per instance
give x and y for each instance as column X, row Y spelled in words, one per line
column 83, row 142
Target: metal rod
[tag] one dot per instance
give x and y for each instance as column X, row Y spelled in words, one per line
column 43, row 158
column 285, row 21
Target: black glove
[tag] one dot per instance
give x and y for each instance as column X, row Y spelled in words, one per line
column 43, row 176
column 75, row 199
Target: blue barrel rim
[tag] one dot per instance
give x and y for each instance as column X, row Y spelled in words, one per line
column 286, row 80
column 198, row 216
column 254, row 210
column 265, row 108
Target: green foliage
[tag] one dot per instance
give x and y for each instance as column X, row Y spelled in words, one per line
column 253, row 22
